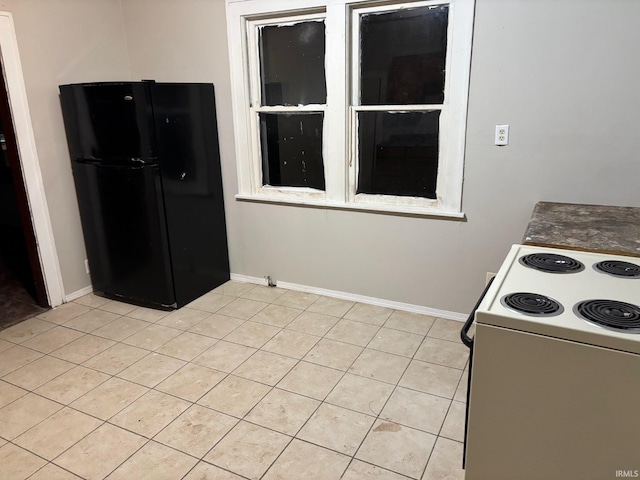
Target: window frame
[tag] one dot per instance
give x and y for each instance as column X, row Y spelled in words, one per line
column 339, row 138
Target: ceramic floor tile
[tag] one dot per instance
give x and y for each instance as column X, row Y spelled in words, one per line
column 252, row 334
column 430, row 378
column 334, row 307
column 369, row 314
column 53, row 339
column 91, row 300
column 265, row 367
column 263, row 293
column 152, row 369
column 109, row 398
column 291, row 344
column 9, row 393
column 446, row 330
column 4, row 345
column 282, row 411
column 234, row 396
column 196, row 430
column 191, row 382
column 453, row 427
column 72, row 385
column 242, row 308
column 120, row 308
column 311, row 380
column 350, row 331
column 410, row 322
column 211, row 302
column 25, row 412
column 463, row 385
column 333, row 354
column 121, row 328
column 416, row 409
column 204, row 471
column 92, row 320
column 400, row 449
column 336, row 428
column 60, row 431
column 234, row 289
column 100, row 452
column 445, row 462
column 38, row 372
column 154, row 462
column 361, row 394
column 224, row 356
column 377, row 365
column 64, row 313
column 183, row 319
column 365, row 471
column 313, row 323
column 25, row 330
column 248, row 450
column 396, row 341
column 216, row 326
column 147, row 314
column 300, row 300
column 152, row 337
column 18, row 464
column 116, row 358
column 303, row 460
column 187, row 346
column 16, row 357
column 443, row 352
column 276, row 315
column 82, row 349
column 150, row 413
column 53, row 472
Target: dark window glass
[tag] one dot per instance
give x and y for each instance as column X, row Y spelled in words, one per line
column 398, row 153
column 403, row 56
column 292, row 63
column 292, row 150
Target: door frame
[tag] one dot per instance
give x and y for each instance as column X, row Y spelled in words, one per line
column 37, row 202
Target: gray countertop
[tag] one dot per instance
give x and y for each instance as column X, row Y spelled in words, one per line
column 595, row 228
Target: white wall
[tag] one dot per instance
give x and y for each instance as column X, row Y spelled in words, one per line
column 564, row 75
column 65, row 41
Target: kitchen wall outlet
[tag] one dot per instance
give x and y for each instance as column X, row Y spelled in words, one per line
column 86, row 265
column 502, row 135
column 490, row 275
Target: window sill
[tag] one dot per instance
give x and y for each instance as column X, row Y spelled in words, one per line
column 401, row 210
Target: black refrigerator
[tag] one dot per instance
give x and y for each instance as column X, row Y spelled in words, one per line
column 146, row 167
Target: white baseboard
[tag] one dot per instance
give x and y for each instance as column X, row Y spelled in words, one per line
column 380, row 302
column 69, row 297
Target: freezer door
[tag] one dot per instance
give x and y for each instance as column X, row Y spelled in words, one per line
column 111, row 122
column 122, row 213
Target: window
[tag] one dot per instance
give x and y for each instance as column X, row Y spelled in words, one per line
column 351, row 103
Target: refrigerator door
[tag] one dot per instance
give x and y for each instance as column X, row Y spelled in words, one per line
column 111, row 122
column 122, row 213
column 189, row 158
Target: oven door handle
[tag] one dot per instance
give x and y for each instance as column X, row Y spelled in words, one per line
column 464, row 333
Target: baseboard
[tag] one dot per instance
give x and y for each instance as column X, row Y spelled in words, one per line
column 69, row 297
column 380, row 302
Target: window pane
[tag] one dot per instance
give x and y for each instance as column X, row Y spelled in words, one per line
column 403, row 56
column 292, row 64
column 398, row 153
column 292, row 150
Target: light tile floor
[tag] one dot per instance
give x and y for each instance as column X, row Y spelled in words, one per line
column 246, row 382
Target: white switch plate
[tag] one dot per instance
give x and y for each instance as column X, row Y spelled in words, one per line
column 502, row 135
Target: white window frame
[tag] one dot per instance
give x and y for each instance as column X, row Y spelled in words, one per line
column 339, row 132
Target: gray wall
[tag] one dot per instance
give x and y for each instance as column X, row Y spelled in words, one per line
column 65, row 41
column 564, row 75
